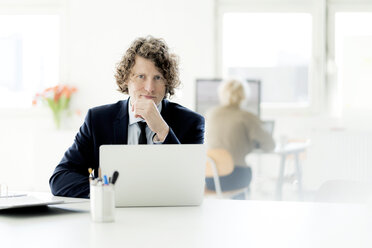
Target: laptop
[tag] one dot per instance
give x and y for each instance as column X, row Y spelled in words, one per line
column 33, row 199
column 268, row 126
column 156, row 175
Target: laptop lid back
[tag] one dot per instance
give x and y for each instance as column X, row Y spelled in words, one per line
column 156, row 175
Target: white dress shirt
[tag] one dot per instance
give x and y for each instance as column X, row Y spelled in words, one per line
column 134, row 130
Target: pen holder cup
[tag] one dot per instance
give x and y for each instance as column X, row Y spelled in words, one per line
column 102, row 203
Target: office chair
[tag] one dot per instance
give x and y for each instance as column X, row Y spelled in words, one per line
column 220, row 163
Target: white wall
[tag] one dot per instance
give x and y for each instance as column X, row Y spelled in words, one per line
column 99, row 32
column 95, row 34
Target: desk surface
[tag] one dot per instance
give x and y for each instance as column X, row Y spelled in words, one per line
column 292, row 147
column 217, row 223
column 288, row 148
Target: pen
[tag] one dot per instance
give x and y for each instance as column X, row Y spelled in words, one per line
column 105, row 180
column 115, row 177
column 90, row 174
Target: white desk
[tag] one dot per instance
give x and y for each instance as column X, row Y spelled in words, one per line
column 290, row 149
column 217, row 223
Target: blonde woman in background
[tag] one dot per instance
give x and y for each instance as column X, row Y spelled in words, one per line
column 236, row 130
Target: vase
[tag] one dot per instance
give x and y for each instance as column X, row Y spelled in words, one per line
column 57, row 119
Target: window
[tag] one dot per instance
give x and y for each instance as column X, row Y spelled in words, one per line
column 29, row 61
column 353, row 59
column 313, row 55
column 275, row 48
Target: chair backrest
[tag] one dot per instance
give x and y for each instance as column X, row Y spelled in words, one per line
column 223, row 160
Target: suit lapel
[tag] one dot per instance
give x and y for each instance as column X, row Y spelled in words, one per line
column 121, row 124
column 164, row 110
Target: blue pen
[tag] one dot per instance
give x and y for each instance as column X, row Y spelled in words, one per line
column 105, row 180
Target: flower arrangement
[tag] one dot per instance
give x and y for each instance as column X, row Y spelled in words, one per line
column 57, row 98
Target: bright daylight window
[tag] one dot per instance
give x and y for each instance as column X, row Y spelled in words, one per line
column 353, row 55
column 275, row 48
column 29, row 57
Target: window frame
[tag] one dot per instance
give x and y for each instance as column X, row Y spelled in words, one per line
column 316, row 71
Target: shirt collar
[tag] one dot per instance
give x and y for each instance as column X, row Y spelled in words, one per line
column 132, row 119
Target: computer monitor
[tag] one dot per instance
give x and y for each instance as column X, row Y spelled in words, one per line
column 207, row 95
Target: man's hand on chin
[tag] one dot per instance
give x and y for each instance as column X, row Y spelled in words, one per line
column 147, row 110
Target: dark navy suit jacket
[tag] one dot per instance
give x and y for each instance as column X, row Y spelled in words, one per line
column 108, row 124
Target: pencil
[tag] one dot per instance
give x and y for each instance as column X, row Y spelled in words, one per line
column 90, row 174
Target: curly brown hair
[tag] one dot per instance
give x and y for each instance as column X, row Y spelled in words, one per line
column 155, row 50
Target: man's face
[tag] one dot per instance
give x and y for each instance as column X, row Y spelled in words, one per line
column 146, row 82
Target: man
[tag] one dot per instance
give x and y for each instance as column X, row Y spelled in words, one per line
column 149, row 74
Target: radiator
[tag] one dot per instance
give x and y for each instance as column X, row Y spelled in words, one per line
column 345, row 155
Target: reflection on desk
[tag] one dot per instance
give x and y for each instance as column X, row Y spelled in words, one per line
column 216, row 223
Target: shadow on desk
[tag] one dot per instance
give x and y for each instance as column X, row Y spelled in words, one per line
column 37, row 211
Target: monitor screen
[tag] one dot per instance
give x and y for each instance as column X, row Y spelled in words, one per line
column 207, row 95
